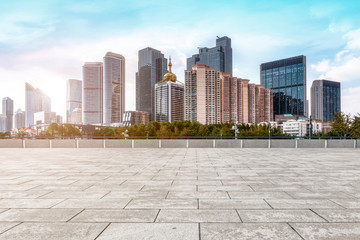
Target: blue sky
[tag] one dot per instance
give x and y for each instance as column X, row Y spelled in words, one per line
column 47, row 42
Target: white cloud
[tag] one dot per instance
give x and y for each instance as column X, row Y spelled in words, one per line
column 345, row 68
column 351, row 100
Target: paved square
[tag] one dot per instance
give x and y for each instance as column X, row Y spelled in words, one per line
column 180, row 194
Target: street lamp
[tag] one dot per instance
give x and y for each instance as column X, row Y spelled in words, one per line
column 311, row 127
column 125, row 134
column 235, row 128
column 269, row 130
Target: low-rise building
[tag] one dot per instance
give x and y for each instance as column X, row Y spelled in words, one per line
column 135, row 117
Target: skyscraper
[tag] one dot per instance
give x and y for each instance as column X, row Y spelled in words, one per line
column 151, row 69
column 212, row 97
column 8, row 111
column 325, row 100
column 287, row 79
column 114, row 87
column 218, row 57
column 19, row 119
column 73, row 97
column 202, row 95
column 244, row 102
column 35, row 101
column 169, row 98
column 92, row 93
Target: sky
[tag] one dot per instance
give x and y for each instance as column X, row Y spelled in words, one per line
column 46, row 42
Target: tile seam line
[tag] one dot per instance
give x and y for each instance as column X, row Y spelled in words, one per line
column 295, row 230
column 102, row 231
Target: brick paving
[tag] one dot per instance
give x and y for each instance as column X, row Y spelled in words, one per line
column 179, row 194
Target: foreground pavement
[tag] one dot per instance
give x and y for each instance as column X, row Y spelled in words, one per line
column 179, row 194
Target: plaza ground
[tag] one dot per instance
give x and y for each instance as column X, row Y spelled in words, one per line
column 180, row 194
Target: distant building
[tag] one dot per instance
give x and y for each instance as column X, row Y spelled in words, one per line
column 135, row 117
column 76, row 115
column 43, row 117
column 19, row 119
column 213, row 97
column 114, row 88
column 3, row 120
column 287, row 79
column 151, row 69
column 244, row 102
column 325, row 100
column 73, row 96
column 300, row 127
column 59, row 119
column 35, row 101
column 218, row 57
column 8, row 111
column 280, row 118
column 169, row 98
column 92, row 93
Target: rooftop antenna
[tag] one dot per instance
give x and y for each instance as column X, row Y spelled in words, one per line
column 218, row 37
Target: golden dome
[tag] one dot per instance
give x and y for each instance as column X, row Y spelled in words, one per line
column 169, row 76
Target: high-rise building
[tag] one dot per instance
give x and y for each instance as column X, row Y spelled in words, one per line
column 325, row 100
column 73, row 97
column 244, row 102
column 218, row 57
column 135, row 117
column 44, row 117
column 35, row 101
column 3, row 119
column 114, row 87
column 8, row 111
column 212, row 97
column 76, row 115
column 169, row 98
column 92, row 93
column 151, row 69
column 287, row 79
column 19, row 119
column 202, row 95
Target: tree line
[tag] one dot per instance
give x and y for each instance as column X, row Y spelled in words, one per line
column 344, row 125
column 186, row 128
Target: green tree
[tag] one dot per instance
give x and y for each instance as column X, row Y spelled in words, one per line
column 355, row 126
column 341, row 126
column 52, row 129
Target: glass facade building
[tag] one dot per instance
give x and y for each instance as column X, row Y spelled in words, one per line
column 218, row 57
column 325, row 100
column 152, row 66
column 114, row 87
column 73, row 97
column 35, row 101
column 287, row 79
column 8, row 111
column 92, row 93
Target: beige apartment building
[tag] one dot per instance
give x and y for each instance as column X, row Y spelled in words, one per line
column 213, row 97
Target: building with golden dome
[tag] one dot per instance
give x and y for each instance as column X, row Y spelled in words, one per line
column 169, row 98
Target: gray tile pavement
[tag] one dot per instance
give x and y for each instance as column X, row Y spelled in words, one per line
column 180, row 194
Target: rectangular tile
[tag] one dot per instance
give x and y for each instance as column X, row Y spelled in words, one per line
column 302, row 203
column 198, row 216
column 93, row 203
column 328, row 231
column 274, row 215
column 232, row 204
column 38, row 215
column 162, row 204
column 58, row 231
column 130, row 231
column 116, row 216
column 249, row 231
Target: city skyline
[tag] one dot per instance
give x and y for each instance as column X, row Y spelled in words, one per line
column 41, row 46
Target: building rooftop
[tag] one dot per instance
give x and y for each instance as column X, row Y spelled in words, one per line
column 180, row 194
